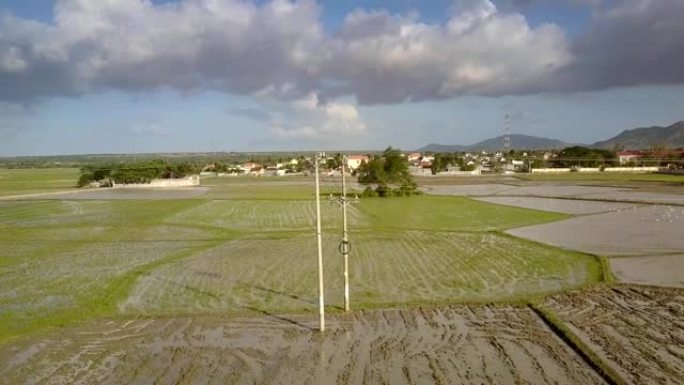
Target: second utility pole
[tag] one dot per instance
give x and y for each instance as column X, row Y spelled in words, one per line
column 345, row 238
column 321, row 301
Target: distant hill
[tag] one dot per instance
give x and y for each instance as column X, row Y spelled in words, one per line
column 645, row 137
column 519, row 142
column 434, row 147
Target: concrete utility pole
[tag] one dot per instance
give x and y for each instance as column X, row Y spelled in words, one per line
column 321, row 301
column 344, row 247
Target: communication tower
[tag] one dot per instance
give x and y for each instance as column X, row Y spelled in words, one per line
column 507, row 134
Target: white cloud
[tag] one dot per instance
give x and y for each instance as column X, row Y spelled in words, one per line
column 479, row 51
column 308, row 118
column 279, row 50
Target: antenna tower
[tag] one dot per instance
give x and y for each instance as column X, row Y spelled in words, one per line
column 507, row 134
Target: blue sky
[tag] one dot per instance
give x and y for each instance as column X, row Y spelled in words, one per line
column 193, row 76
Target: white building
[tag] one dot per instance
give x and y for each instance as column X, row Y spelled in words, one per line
column 354, row 161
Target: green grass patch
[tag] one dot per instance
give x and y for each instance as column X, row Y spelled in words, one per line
column 71, row 260
column 28, row 181
column 388, row 268
column 428, row 212
column 55, row 294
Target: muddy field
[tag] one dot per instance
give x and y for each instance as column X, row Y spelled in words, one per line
column 565, row 206
column 555, row 190
column 638, row 330
column 646, row 230
column 660, row 270
column 458, row 345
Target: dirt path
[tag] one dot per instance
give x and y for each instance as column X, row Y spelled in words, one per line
column 459, row 345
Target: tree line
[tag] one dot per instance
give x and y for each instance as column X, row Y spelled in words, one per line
column 136, row 172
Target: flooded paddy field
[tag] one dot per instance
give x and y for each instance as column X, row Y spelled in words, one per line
column 646, row 230
column 659, row 270
column 217, row 284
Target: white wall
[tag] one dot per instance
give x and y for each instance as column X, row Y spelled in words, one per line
column 190, row 181
column 594, row 169
column 549, row 170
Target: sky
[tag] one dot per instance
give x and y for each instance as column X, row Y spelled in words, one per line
column 133, row 76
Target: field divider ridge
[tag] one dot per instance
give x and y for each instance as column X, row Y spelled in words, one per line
column 602, row 368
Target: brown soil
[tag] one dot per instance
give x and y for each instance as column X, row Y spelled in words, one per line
column 639, row 330
column 453, row 345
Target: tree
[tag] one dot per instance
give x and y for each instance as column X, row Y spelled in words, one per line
column 334, row 162
column 440, row 163
column 85, row 179
column 138, row 172
column 389, row 173
column 584, row 157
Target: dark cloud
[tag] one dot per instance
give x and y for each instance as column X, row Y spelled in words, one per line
column 637, row 42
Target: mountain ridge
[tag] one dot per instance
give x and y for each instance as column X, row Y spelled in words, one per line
column 639, row 138
column 518, row 141
column 645, row 137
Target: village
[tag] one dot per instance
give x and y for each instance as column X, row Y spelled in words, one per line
column 467, row 163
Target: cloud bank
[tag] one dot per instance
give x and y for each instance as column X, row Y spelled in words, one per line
column 281, row 50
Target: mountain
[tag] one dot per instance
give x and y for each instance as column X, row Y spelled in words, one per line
column 434, row 147
column 645, row 137
column 523, row 142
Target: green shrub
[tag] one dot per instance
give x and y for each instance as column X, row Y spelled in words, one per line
column 85, row 179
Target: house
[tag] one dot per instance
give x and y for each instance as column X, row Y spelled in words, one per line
column 252, row 168
column 354, row 161
column 257, row 171
column 629, row 156
column 517, row 164
column 414, row 157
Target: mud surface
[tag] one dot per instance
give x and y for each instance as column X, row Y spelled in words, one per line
column 660, row 270
column 638, row 330
column 553, row 190
column 468, row 190
column 637, row 231
column 453, row 345
column 566, row 206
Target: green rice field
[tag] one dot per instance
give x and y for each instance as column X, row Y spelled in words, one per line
column 65, row 259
